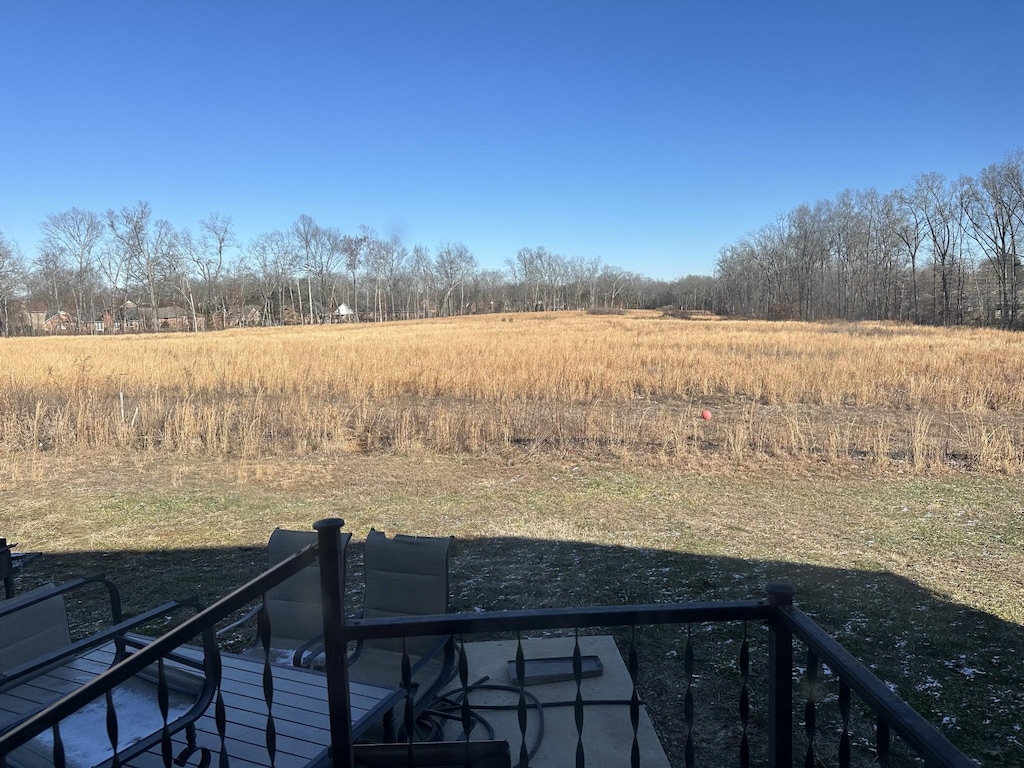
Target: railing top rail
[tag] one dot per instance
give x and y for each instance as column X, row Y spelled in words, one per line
column 558, row 618
column 917, row 732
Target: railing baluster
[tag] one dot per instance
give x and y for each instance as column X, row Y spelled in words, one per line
column 409, row 717
column 59, row 758
column 882, row 741
column 220, row 717
column 810, row 711
column 634, row 701
column 688, row 698
column 844, row 737
column 112, row 725
column 466, row 711
column 744, row 699
column 263, row 625
column 524, row 753
column 215, row 669
column 163, row 701
column 577, row 675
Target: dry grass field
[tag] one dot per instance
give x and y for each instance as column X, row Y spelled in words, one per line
column 876, row 467
column 631, row 386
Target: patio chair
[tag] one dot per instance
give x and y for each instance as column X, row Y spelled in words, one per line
column 35, row 634
column 41, row 663
column 292, row 608
column 31, row 626
column 405, row 576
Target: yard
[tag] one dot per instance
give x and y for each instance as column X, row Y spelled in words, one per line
column 917, row 575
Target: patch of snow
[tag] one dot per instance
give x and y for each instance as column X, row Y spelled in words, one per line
column 84, row 733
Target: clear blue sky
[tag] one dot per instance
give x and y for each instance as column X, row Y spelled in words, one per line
column 649, row 134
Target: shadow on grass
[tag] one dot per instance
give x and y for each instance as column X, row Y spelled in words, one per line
column 959, row 667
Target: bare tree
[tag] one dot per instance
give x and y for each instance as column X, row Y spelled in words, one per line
column 51, row 276
column 146, row 248
column 72, row 239
column 994, row 209
column 12, row 270
column 321, row 251
column 181, row 270
column 908, row 226
column 272, row 260
column 352, row 251
column 942, row 212
column 112, row 263
column 385, row 261
column 528, row 270
column 216, row 235
column 424, row 280
column 455, row 265
column 808, row 236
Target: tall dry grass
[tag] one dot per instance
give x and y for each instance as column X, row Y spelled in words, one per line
column 920, row 397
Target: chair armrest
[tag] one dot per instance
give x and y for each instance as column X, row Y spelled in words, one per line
column 444, row 643
column 115, row 632
column 254, row 611
column 312, row 647
column 39, row 595
column 315, row 647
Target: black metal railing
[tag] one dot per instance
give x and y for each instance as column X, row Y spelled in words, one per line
column 786, row 625
column 151, row 659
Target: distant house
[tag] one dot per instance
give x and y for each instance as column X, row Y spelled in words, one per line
column 169, row 317
column 25, row 317
column 59, row 322
column 97, row 325
column 173, row 318
column 237, row 317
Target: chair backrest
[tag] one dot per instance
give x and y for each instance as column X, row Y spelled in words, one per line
column 34, row 630
column 405, row 576
column 293, row 606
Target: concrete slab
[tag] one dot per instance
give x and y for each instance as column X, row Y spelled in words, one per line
column 607, row 731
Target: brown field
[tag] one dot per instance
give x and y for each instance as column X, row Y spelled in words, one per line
column 630, row 385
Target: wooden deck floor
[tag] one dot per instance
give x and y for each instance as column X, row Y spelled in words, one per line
column 299, row 709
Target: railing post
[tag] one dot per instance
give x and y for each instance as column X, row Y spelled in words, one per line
column 780, row 680
column 6, row 568
column 332, row 585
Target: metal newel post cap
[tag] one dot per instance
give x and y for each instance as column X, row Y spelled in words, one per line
column 328, row 523
column 780, row 593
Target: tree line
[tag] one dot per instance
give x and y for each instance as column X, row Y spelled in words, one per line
column 89, row 266
column 940, row 251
